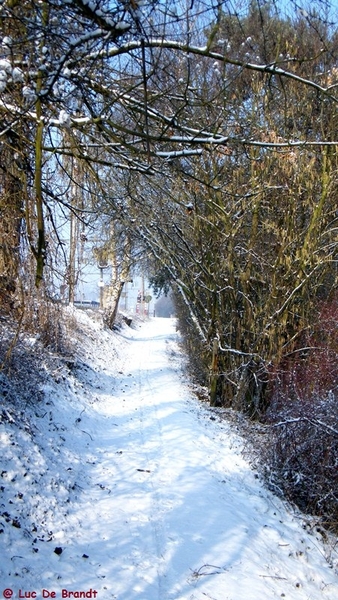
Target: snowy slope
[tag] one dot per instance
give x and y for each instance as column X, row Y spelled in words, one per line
column 119, row 485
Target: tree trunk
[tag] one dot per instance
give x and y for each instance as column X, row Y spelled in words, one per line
column 109, row 316
column 11, row 215
column 250, row 391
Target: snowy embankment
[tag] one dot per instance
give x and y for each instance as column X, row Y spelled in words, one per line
column 119, row 485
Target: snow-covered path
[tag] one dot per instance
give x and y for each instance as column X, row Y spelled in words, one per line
column 164, row 507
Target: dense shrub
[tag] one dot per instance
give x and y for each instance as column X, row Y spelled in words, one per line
column 303, row 449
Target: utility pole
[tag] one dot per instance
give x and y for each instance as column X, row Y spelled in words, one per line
column 102, row 265
column 142, row 296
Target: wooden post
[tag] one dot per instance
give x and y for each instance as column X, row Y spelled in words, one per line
column 214, row 373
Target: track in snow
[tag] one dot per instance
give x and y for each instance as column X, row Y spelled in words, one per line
column 186, row 518
column 165, row 507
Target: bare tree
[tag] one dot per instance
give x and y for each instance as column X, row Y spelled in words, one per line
column 203, row 105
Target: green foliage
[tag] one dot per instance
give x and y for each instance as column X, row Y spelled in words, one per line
column 160, row 282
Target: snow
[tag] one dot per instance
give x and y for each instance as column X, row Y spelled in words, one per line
column 5, row 65
column 28, row 94
column 120, row 484
column 66, row 72
column 17, row 75
column 64, row 119
column 121, row 25
column 7, row 41
column 178, row 153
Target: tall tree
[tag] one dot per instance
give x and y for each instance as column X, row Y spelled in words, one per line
column 223, row 119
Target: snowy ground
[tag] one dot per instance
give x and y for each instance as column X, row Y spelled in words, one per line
column 120, row 485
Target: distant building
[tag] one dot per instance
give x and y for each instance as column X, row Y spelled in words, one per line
column 137, row 297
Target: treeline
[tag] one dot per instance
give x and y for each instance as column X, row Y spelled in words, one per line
column 198, row 140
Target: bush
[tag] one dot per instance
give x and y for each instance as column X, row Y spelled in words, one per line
column 303, row 414
column 303, row 457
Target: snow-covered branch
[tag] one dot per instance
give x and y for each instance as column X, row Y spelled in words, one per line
column 269, row 69
column 101, row 17
column 314, row 422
